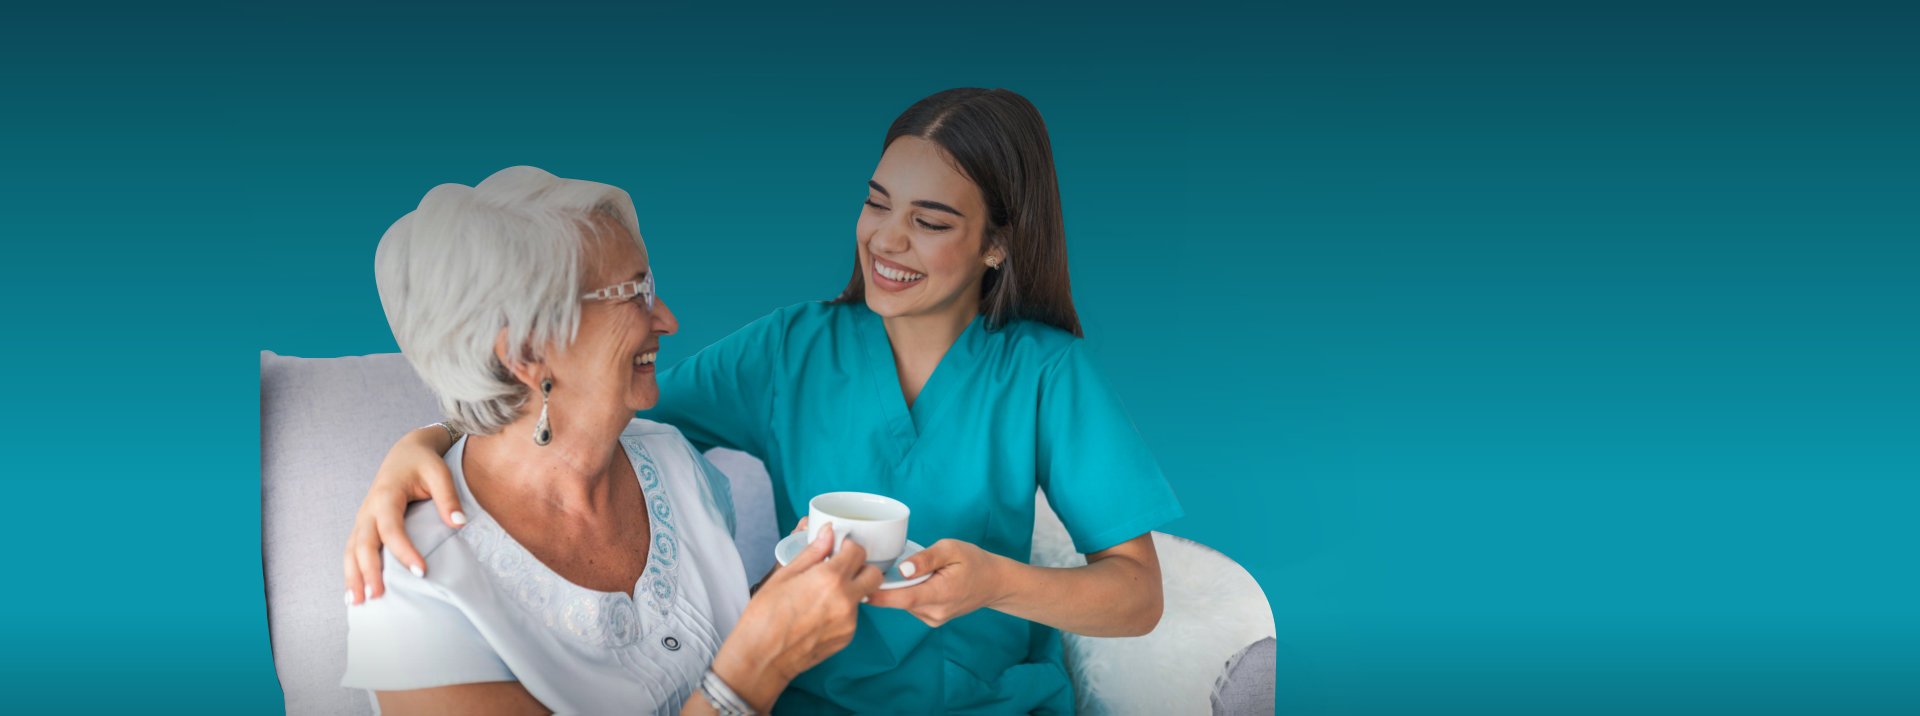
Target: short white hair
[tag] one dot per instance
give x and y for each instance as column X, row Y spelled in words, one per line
column 469, row 262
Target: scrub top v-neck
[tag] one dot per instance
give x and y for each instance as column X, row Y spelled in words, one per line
column 812, row 390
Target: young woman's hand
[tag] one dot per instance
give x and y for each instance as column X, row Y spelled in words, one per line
column 965, row 578
column 802, row 614
column 413, row 470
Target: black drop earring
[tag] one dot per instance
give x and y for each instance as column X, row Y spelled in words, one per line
column 543, row 433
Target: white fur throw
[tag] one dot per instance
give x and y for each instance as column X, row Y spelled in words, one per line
column 1213, row 610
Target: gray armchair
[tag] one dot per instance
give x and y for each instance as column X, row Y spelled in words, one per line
column 326, row 423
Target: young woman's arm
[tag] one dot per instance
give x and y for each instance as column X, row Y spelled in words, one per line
column 1103, row 482
column 413, row 470
column 1117, row 594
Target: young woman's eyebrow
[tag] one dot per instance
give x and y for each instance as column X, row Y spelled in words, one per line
column 937, row 206
column 922, row 203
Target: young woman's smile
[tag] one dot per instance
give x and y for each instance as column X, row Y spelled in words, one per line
column 891, row 276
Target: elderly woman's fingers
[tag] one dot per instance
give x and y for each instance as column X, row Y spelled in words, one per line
column 867, row 581
column 815, row 553
column 851, row 558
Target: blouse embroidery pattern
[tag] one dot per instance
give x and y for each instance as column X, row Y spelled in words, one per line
column 662, row 562
column 604, row 619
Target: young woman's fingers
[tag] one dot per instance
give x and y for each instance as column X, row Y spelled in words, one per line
column 369, row 559
column 385, row 527
column 446, row 499
column 929, row 560
column 356, row 579
column 402, row 548
column 893, row 598
column 351, row 567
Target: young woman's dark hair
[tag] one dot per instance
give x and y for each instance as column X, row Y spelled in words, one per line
column 997, row 139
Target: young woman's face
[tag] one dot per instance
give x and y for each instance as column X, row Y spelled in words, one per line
column 922, row 234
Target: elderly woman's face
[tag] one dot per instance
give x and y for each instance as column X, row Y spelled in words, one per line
column 609, row 366
column 921, row 234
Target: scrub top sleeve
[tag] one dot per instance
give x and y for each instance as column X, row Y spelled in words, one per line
column 413, row 638
column 1094, row 466
column 722, row 396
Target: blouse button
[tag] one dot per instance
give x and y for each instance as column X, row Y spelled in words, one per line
column 670, row 643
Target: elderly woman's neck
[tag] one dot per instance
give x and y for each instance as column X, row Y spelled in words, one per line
column 573, row 472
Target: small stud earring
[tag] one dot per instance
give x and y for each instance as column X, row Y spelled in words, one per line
column 543, row 433
column 993, row 261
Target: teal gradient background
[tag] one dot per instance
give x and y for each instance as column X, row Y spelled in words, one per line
column 1536, row 360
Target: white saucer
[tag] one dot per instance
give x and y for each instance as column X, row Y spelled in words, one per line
column 791, row 546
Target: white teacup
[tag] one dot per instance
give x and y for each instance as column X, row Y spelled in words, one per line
column 876, row 522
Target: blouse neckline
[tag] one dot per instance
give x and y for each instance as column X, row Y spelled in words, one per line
column 605, row 619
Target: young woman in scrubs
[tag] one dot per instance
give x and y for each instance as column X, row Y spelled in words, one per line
column 948, row 374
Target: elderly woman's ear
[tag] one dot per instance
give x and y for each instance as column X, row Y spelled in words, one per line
column 529, row 374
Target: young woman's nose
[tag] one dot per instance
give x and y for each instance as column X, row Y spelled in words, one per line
column 891, row 238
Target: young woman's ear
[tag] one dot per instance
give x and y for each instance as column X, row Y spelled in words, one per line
column 996, row 253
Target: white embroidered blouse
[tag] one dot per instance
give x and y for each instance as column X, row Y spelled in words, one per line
column 489, row 611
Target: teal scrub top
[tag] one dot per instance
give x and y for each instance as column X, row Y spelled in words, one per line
column 812, row 390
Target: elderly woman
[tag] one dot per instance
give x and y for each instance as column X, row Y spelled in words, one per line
column 596, row 571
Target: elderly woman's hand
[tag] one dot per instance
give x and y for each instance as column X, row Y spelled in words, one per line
column 802, row 614
column 413, row 470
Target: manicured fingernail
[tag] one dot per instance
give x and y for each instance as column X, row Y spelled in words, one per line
column 417, row 570
column 459, row 518
column 349, row 597
column 369, row 591
column 906, row 569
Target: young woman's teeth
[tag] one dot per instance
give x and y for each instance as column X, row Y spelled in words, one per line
column 645, row 358
column 901, row 276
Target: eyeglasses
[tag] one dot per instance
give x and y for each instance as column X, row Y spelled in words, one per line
column 625, row 291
